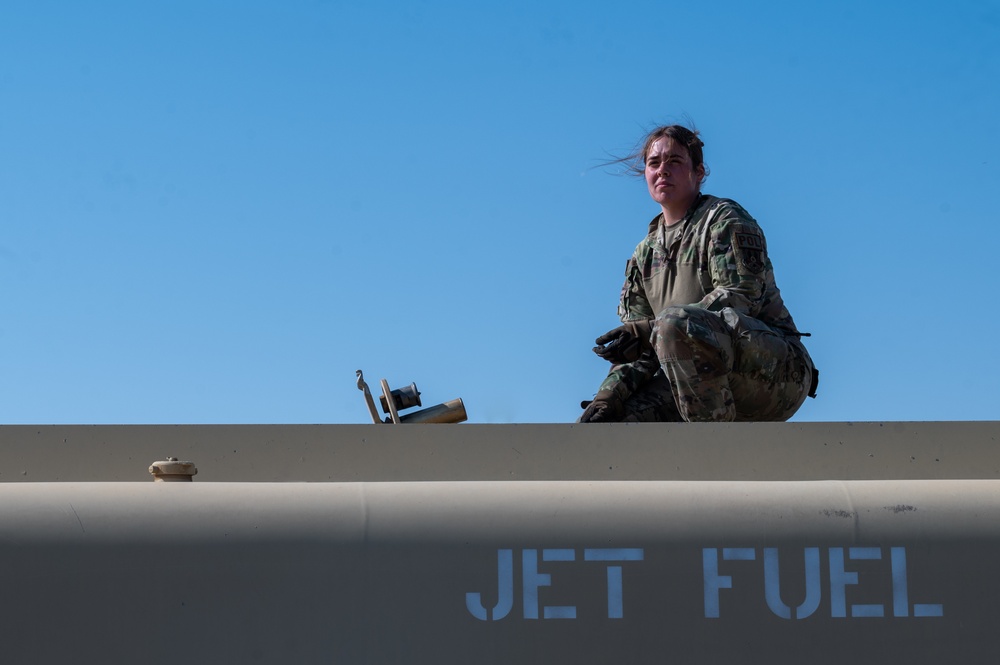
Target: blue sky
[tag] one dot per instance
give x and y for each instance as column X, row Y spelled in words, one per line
column 215, row 212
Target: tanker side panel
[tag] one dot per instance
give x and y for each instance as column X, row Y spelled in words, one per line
column 501, row 572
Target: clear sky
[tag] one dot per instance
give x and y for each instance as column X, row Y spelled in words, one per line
column 215, row 212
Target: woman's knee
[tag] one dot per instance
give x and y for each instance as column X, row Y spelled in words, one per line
column 691, row 333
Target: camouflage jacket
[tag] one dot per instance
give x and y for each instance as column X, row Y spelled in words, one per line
column 716, row 258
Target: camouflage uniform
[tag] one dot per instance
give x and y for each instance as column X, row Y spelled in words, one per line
column 724, row 346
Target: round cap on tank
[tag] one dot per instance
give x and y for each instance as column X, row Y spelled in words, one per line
column 172, row 470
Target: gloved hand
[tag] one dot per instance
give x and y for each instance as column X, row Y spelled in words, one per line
column 607, row 407
column 626, row 343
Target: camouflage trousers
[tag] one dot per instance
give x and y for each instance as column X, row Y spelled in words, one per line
column 721, row 366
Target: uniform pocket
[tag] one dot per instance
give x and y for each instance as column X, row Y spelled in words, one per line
column 759, row 351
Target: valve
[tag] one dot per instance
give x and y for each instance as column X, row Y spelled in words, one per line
column 394, row 401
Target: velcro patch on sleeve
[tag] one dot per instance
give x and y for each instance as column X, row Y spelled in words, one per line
column 751, row 251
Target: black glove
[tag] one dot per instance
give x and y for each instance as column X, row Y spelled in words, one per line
column 626, row 343
column 607, row 407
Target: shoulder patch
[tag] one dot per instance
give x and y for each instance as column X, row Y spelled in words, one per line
column 750, row 250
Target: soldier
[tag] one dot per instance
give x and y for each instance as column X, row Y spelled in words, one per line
column 706, row 336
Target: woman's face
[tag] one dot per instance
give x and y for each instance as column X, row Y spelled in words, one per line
column 673, row 181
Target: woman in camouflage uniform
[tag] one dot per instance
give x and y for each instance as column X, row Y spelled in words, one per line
column 706, row 336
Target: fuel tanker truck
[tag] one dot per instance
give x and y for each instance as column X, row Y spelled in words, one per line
column 423, row 542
